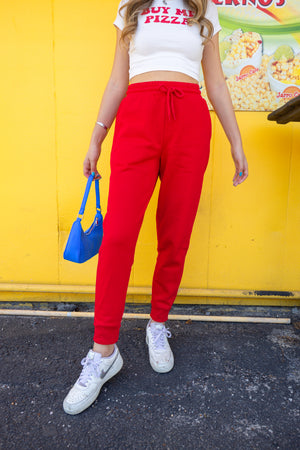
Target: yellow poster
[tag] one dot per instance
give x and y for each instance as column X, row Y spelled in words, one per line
column 260, row 52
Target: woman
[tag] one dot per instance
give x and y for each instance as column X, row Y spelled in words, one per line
column 163, row 130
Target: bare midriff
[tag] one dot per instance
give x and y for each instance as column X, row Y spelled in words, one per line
column 162, row 75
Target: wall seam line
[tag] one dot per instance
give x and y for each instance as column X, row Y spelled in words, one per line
column 289, row 191
column 55, row 138
column 212, row 154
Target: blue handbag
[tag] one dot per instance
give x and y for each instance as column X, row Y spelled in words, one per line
column 83, row 245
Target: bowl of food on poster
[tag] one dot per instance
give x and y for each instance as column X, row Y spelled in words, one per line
column 241, row 53
column 284, row 72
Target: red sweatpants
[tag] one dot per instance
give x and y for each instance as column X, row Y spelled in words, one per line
column 162, row 129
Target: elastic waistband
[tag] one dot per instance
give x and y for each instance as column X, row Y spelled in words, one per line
column 156, row 85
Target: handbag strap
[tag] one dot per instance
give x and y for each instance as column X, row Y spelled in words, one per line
column 86, row 194
column 98, row 207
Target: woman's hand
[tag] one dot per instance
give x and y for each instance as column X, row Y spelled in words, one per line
column 90, row 161
column 240, row 163
column 219, row 97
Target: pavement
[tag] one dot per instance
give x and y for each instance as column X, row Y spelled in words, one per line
column 233, row 386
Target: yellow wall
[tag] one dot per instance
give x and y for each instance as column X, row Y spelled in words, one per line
column 56, row 58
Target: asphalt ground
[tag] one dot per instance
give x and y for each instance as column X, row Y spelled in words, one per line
column 233, row 386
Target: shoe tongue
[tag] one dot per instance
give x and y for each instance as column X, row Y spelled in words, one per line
column 91, row 354
column 96, row 357
column 158, row 326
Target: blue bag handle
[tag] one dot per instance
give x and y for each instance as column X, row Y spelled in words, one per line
column 86, row 194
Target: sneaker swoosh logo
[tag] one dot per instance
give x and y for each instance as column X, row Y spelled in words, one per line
column 105, row 372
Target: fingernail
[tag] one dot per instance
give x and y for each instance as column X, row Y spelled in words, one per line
column 240, row 174
column 93, row 173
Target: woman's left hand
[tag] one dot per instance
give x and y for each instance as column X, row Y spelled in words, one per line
column 240, row 163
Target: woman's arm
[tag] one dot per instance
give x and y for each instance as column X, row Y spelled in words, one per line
column 114, row 93
column 219, row 97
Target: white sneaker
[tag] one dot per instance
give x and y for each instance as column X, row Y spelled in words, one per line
column 160, row 354
column 96, row 371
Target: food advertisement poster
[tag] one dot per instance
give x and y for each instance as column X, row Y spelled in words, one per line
column 260, row 52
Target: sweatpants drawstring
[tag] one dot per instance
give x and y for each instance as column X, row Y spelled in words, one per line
column 170, row 91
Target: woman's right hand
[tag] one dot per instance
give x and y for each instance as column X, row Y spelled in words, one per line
column 90, row 161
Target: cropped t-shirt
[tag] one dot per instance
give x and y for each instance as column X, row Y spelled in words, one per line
column 164, row 41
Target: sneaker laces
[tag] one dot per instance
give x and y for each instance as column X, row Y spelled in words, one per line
column 90, row 368
column 160, row 336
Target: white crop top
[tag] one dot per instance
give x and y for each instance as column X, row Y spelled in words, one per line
column 164, row 41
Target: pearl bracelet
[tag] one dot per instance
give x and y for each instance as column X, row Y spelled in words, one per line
column 102, row 125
